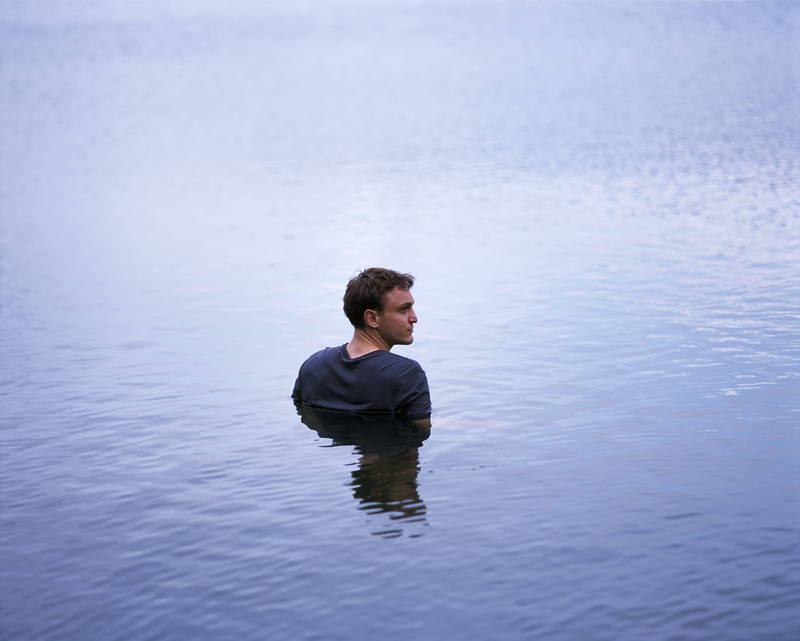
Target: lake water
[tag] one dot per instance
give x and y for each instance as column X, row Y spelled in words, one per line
column 600, row 203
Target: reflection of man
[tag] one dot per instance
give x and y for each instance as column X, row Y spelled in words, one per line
column 363, row 375
column 388, row 485
column 385, row 481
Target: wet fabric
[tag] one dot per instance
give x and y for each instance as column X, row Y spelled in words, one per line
column 385, row 434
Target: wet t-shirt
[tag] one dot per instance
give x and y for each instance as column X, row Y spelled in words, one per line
column 376, row 382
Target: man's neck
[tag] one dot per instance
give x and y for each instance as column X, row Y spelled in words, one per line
column 364, row 341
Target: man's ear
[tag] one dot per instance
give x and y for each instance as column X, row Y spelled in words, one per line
column 371, row 318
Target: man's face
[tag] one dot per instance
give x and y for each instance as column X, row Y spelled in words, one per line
column 396, row 321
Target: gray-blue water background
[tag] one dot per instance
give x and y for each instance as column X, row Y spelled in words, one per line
column 600, row 203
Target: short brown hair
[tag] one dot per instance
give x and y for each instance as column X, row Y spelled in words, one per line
column 365, row 291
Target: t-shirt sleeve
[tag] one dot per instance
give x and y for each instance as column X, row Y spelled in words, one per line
column 415, row 399
column 296, row 390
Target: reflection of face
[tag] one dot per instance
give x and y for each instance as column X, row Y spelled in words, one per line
column 388, row 484
column 396, row 321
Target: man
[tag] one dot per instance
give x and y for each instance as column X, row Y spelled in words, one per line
column 363, row 375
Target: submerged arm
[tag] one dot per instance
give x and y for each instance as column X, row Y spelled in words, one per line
column 423, row 425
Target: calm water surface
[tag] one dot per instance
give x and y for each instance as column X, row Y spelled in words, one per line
column 600, row 202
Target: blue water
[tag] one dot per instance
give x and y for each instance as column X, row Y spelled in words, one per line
column 600, row 203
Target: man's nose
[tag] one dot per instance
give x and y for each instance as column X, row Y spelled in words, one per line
column 413, row 317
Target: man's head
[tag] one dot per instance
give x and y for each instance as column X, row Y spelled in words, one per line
column 379, row 298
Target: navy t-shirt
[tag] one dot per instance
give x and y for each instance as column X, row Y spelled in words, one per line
column 375, row 382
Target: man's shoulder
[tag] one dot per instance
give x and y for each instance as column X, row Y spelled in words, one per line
column 383, row 360
column 325, row 354
column 405, row 360
column 402, row 364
